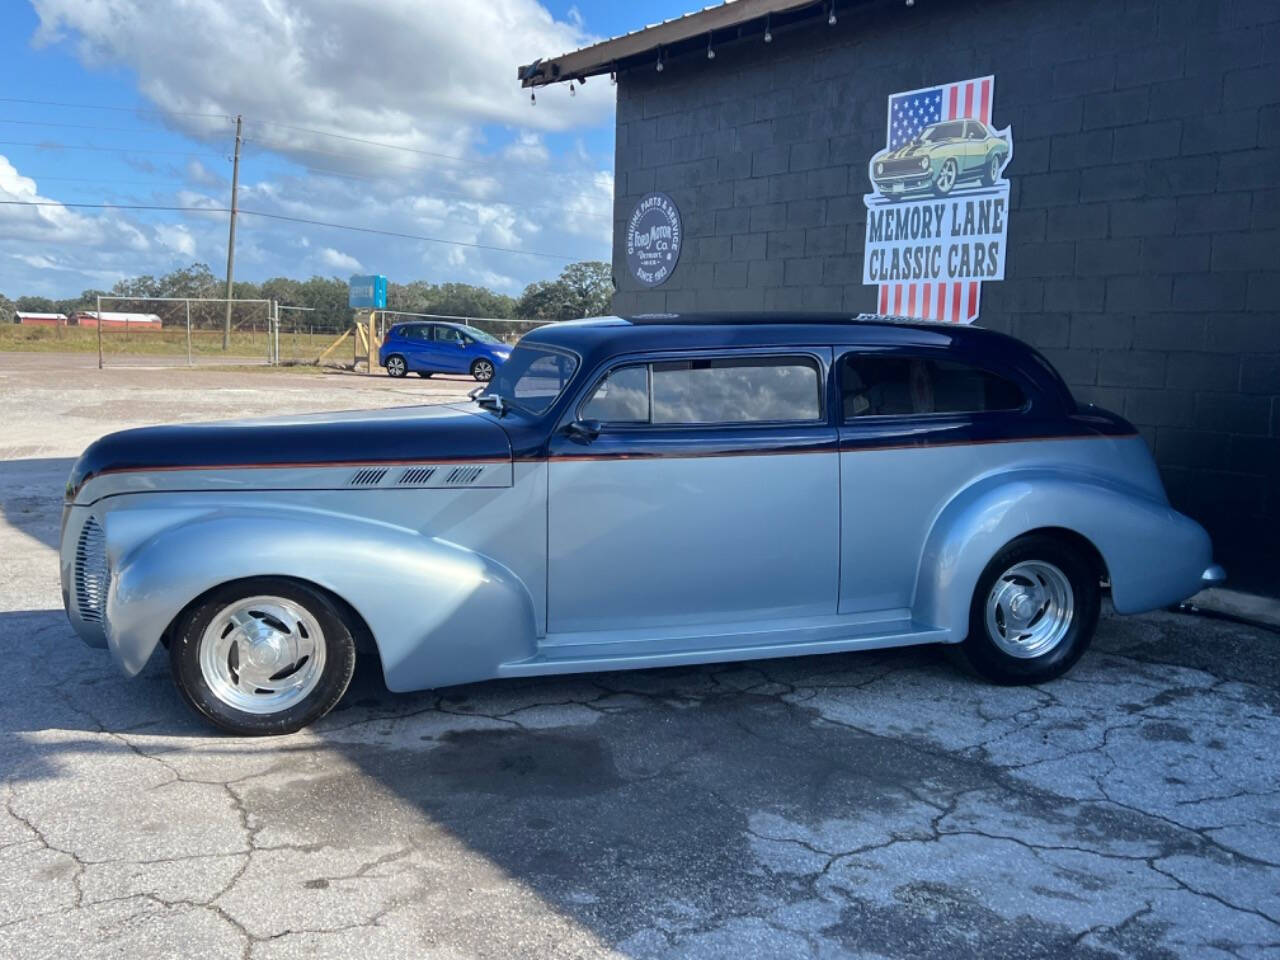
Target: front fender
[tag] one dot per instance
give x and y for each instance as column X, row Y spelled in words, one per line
column 1154, row 555
column 439, row 613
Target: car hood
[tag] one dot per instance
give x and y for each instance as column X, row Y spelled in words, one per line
column 395, row 435
column 913, row 149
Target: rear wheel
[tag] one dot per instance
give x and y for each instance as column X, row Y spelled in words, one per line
column 991, row 172
column 1034, row 611
column 262, row 656
column 396, row 367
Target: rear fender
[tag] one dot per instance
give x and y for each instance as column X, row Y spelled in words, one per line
column 439, row 613
column 1154, row 555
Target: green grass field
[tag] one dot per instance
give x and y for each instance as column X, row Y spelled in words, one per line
column 171, row 341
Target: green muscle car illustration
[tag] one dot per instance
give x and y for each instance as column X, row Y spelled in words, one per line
column 944, row 155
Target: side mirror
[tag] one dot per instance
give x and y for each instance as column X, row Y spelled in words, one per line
column 582, row 431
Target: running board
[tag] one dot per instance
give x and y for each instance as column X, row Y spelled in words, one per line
column 556, row 655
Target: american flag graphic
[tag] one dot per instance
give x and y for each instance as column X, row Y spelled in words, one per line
column 909, row 113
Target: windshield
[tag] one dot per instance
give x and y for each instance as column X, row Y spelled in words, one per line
column 533, row 378
column 943, row 131
column 480, row 335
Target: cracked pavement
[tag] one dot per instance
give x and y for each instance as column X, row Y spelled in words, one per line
column 868, row 805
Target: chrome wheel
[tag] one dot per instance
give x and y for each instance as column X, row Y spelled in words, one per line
column 262, row 655
column 395, row 367
column 482, row 370
column 946, row 177
column 1029, row 609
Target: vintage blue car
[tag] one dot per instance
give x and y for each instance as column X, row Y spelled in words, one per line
column 628, row 493
column 439, row 347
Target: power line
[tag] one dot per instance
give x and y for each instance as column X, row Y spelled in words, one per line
column 288, row 219
column 74, row 126
column 117, row 109
column 83, row 146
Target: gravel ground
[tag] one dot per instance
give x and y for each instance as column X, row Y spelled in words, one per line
column 867, row 805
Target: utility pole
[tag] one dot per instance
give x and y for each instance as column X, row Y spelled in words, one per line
column 231, row 240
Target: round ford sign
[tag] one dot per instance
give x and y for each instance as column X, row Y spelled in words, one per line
column 654, row 236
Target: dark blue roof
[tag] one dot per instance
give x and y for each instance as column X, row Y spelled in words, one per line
column 597, row 339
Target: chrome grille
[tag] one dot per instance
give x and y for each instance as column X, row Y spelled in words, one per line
column 91, row 572
column 903, row 166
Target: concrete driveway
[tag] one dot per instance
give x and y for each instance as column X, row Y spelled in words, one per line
column 855, row 805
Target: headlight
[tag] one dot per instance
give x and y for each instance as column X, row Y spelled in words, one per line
column 924, row 163
column 879, row 168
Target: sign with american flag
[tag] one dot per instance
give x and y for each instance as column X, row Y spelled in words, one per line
column 938, row 210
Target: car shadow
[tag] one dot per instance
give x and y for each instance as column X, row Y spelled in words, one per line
column 33, row 496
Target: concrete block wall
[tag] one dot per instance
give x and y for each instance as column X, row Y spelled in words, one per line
column 1144, row 228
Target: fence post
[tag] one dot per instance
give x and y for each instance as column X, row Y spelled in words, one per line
column 99, row 319
column 188, row 303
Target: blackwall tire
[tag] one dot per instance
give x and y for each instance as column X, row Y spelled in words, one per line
column 991, row 172
column 1034, row 611
column 425, row 374
column 211, row 662
column 947, row 177
column 396, row 366
column 482, row 370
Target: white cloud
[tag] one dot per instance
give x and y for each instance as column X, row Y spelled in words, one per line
column 437, row 82
column 339, row 260
column 176, row 237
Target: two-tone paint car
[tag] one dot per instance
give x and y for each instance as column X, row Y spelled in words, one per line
column 439, row 346
column 639, row 492
column 944, row 156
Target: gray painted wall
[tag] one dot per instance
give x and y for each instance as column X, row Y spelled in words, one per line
column 1145, row 205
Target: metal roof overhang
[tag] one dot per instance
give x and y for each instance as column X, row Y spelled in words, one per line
column 671, row 35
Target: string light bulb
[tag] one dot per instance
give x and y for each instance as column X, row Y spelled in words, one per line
column 831, row 19
column 768, row 34
column 659, row 59
column 711, row 54
column 572, row 92
column 533, row 98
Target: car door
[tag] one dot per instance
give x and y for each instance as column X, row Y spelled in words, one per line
column 975, row 146
column 672, row 504
column 410, row 342
column 917, row 426
column 450, row 344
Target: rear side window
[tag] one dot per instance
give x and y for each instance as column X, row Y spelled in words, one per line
column 706, row 391
column 877, row 385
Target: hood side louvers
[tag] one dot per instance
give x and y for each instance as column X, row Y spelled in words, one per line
column 368, row 477
column 415, row 476
column 460, row 476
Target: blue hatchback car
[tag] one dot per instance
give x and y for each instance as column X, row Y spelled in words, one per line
column 427, row 348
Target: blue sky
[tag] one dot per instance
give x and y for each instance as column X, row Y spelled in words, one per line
column 476, row 164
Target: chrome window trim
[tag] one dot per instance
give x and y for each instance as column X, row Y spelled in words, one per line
column 804, row 353
column 924, row 354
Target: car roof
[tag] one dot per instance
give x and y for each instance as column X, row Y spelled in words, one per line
column 599, row 339
column 647, row 331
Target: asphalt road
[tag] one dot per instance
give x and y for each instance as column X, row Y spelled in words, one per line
column 870, row 805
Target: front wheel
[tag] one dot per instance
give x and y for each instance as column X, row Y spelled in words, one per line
column 262, row 656
column 947, row 178
column 1034, row 611
column 482, row 370
column 396, row 367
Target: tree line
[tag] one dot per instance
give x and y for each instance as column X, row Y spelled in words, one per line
column 581, row 290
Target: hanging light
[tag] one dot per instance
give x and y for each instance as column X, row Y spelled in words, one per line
column 711, row 54
column 831, row 19
column 659, row 59
column 613, row 78
column 533, row 98
column 768, row 34
column 572, row 92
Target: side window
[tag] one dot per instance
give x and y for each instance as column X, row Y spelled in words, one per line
column 745, row 390
column 448, row 335
column 543, row 380
column 415, row 332
column 973, row 131
column 621, row 397
column 879, row 385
